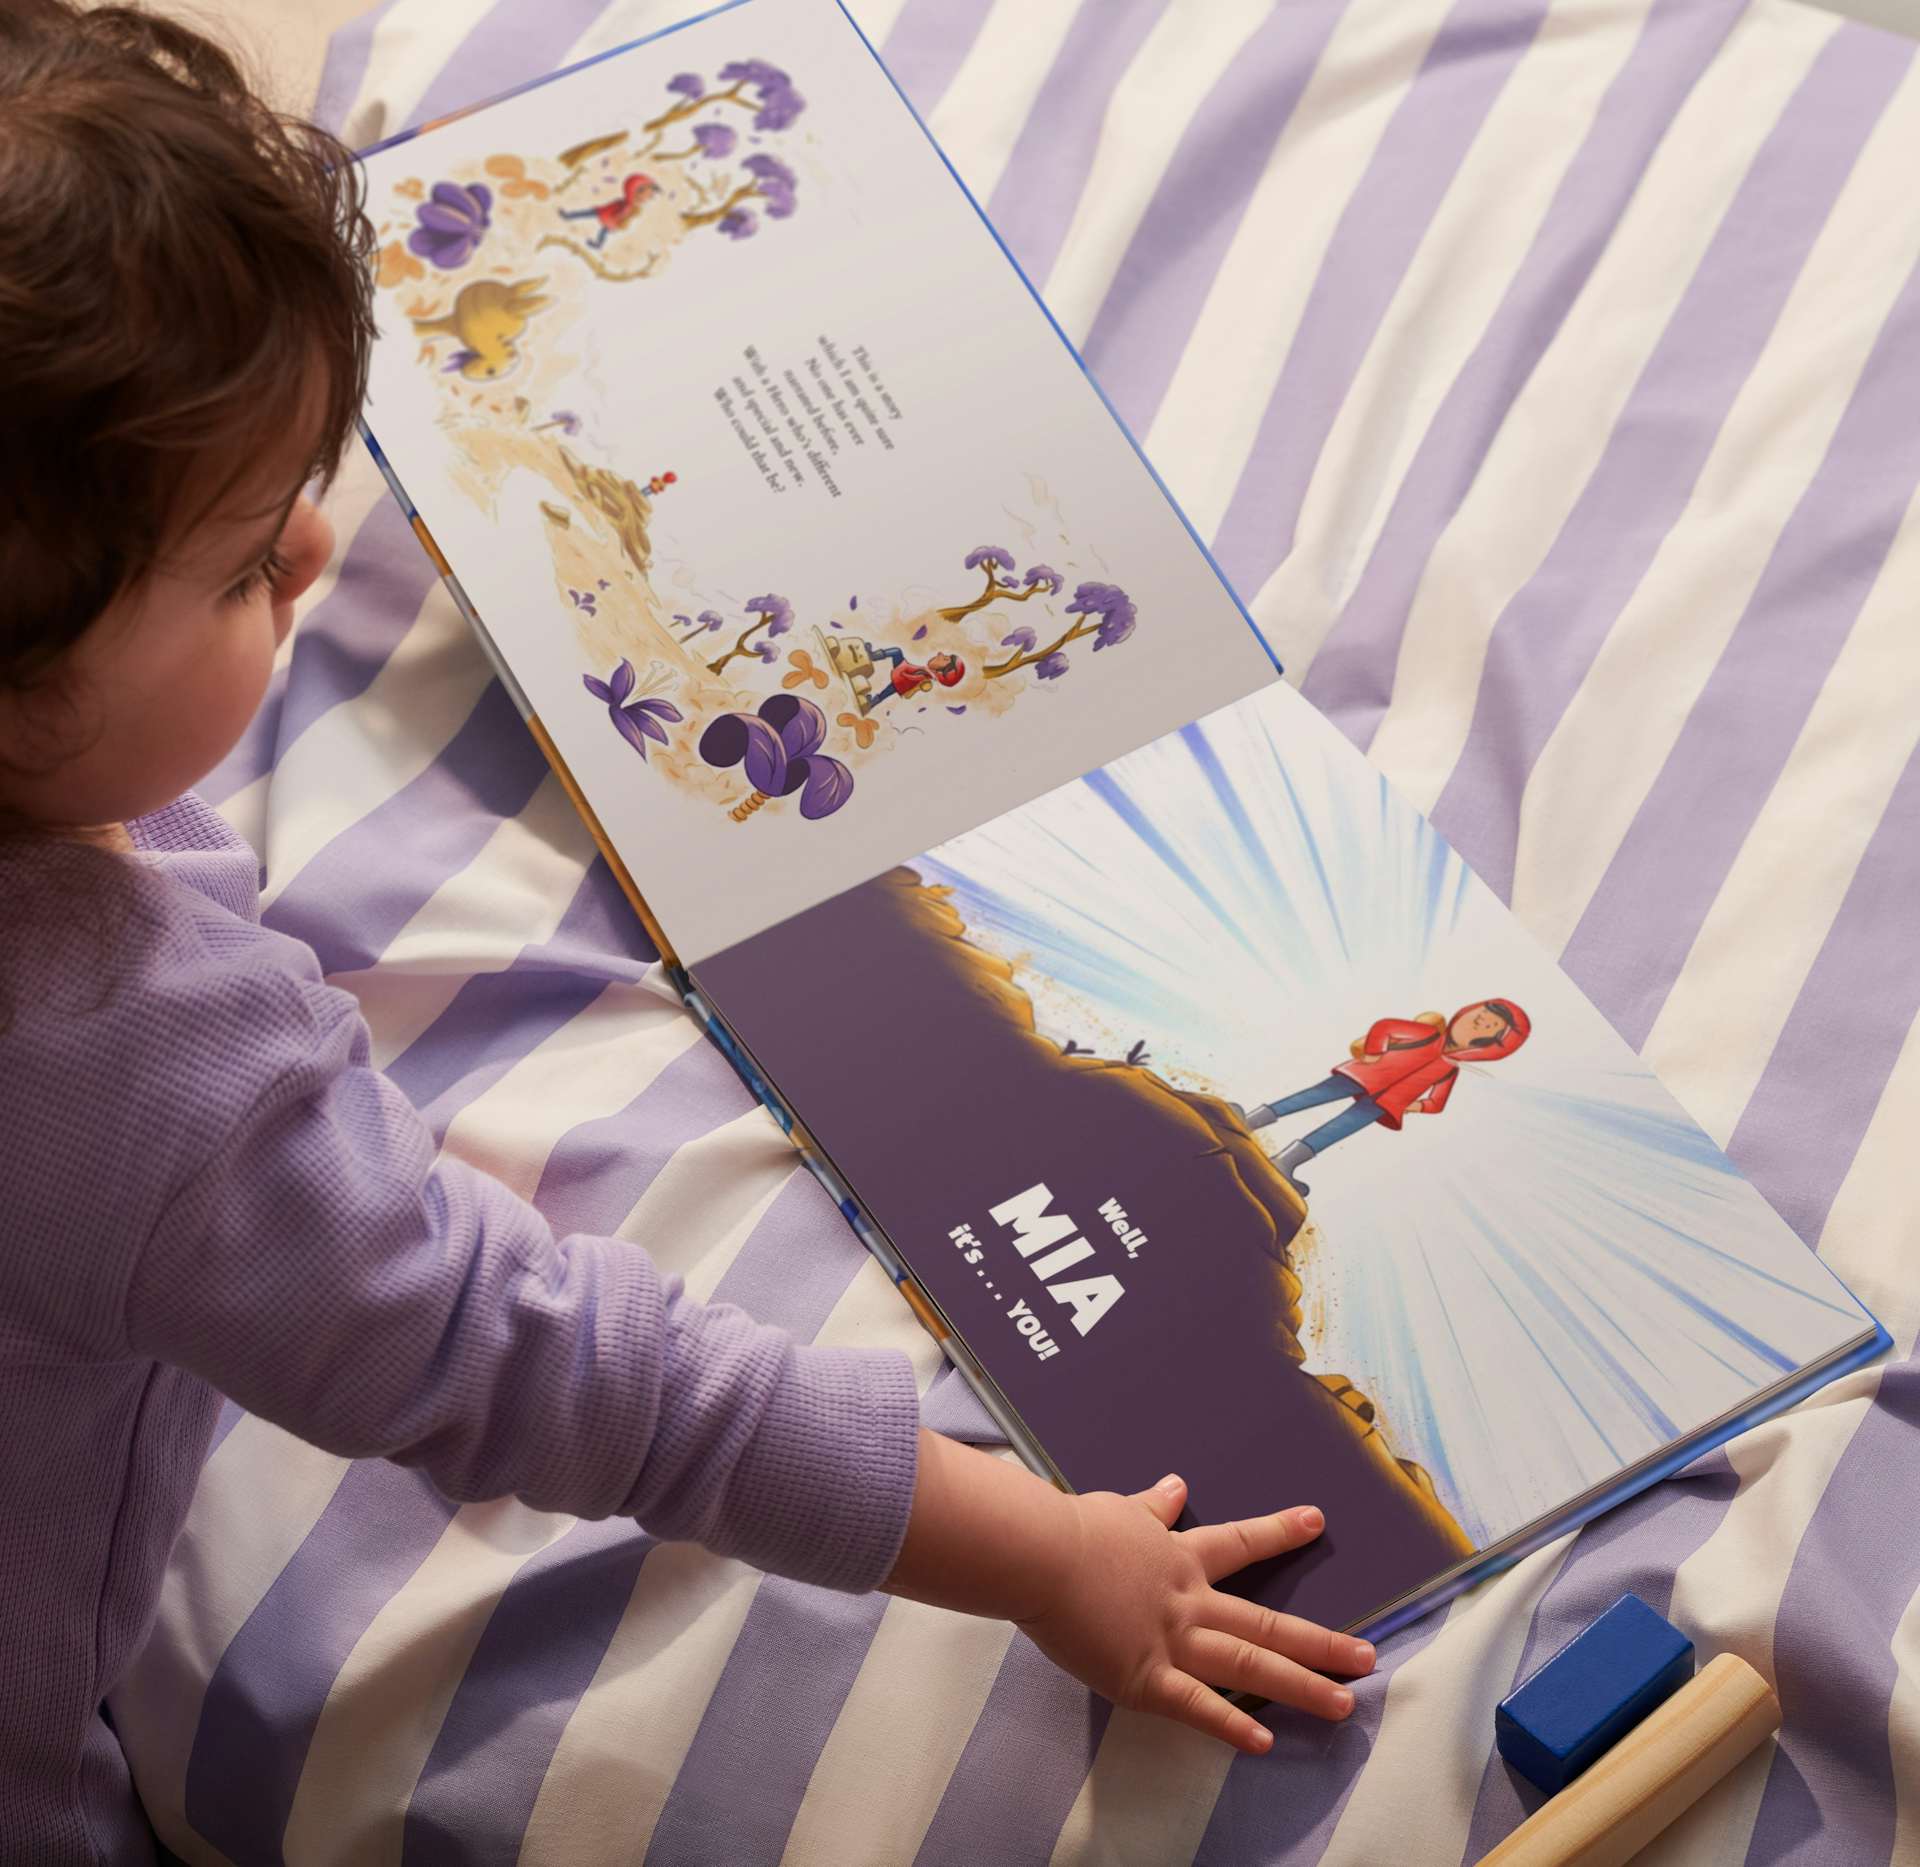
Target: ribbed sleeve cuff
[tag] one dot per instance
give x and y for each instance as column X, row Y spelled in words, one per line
column 827, row 1480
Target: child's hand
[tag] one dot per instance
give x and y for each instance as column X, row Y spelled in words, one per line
column 1108, row 1591
column 1137, row 1617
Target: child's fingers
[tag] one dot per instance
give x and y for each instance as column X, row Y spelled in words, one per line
column 1305, row 1641
column 1225, row 1547
column 1227, row 1660
column 1166, row 1499
column 1185, row 1700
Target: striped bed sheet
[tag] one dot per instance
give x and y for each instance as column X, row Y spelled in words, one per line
column 1547, row 374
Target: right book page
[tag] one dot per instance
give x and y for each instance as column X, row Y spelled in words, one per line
column 1239, row 1130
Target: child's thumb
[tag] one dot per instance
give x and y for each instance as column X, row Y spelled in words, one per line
column 1166, row 1500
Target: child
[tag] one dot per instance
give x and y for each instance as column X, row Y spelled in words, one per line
column 1403, row 1066
column 207, row 1189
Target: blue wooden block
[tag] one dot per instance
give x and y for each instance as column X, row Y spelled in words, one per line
column 1591, row 1693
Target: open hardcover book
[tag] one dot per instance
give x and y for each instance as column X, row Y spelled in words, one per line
column 1197, row 1096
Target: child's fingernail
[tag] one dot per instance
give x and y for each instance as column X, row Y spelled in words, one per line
column 1363, row 1653
column 1311, row 1519
column 1171, row 1482
column 1262, row 1738
column 1342, row 1700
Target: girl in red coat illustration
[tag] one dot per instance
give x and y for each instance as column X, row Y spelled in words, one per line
column 1403, row 1066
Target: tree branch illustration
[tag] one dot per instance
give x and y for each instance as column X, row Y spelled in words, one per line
column 775, row 616
column 1041, row 580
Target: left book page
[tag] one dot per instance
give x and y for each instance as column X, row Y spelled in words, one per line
column 798, row 525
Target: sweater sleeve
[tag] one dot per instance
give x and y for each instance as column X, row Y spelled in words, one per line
column 326, row 1273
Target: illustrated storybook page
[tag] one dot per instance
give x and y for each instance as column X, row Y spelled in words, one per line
column 801, row 530
column 1239, row 1130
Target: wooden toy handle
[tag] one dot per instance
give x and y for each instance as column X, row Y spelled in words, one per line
column 1660, row 1768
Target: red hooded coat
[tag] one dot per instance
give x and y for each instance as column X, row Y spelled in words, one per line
column 1406, row 1060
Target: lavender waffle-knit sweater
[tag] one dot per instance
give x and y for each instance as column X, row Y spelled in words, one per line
column 207, row 1190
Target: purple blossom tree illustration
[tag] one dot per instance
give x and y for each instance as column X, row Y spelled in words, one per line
column 453, row 221
column 1103, row 611
column 773, row 616
column 773, row 185
column 779, row 749
column 1010, row 587
column 636, row 721
column 702, row 624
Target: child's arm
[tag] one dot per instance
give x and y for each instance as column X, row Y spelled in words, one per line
column 1108, row 1591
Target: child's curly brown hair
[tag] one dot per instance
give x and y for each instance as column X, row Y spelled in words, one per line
column 182, row 271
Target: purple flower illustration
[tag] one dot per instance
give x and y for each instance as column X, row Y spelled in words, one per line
column 853, row 602
column 583, row 600
column 1052, row 667
column 991, row 555
column 919, row 632
column 1044, row 573
column 715, row 139
column 453, row 221
column 775, row 610
column 564, row 419
column 776, row 184
column 780, row 103
column 779, row 749
column 1021, row 640
column 1112, row 605
column 636, row 721
column 739, row 225
column 688, row 85
column 766, row 651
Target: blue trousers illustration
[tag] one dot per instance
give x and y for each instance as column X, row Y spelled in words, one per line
column 589, row 213
column 1363, row 1112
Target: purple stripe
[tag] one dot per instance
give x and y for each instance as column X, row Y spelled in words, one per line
column 538, row 1653
column 352, row 898
column 498, row 1017
column 1803, row 1124
column 1545, row 640
column 230, row 1416
column 1015, row 1782
column 341, row 646
column 1287, row 1803
column 599, row 1169
column 1382, row 224
column 1830, row 1795
column 347, row 53
column 929, row 43
column 1163, row 279
column 1742, row 728
column 1032, row 207
column 1351, row 678
column 793, row 1663
column 267, row 1693
column 1633, row 1549
column 514, row 44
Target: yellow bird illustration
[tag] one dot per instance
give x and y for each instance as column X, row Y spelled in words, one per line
column 486, row 320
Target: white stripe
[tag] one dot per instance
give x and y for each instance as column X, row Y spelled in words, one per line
column 1191, row 46
column 353, row 758
column 986, row 106
column 410, row 48
column 695, row 1207
column 1719, row 1025
column 1528, row 485
column 1480, row 234
column 592, row 1067
column 877, row 18
column 616, row 1761
column 872, row 1313
column 1903, row 1734
column 387, row 1703
column 1206, row 427
column 512, row 895
column 259, row 1495
column 1595, row 770
column 906, row 1719
column 1148, row 1797
column 1414, row 1799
